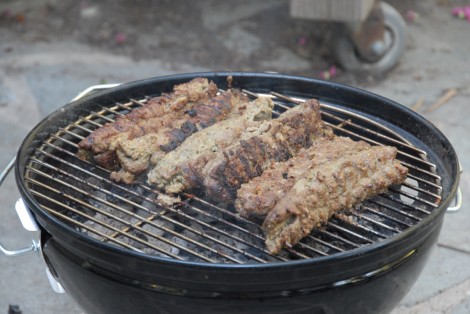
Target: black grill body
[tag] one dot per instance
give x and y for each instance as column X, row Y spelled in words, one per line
column 99, row 290
column 371, row 278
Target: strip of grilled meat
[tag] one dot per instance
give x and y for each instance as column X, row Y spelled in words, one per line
column 284, row 137
column 99, row 146
column 328, row 188
column 173, row 171
column 258, row 196
column 135, row 155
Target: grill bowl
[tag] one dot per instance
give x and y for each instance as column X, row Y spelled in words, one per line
column 94, row 272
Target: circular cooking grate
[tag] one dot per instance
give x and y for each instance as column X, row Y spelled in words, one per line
column 138, row 218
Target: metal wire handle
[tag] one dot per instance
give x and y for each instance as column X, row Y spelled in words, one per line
column 458, row 202
column 458, row 198
column 92, row 89
column 29, row 223
column 23, row 213
column 35, row 246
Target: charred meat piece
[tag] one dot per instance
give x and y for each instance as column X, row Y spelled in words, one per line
column 328, row 188
column 99, row 146
column 258, row 196
column 284, row 137
column 134, row 155
column 174, row 171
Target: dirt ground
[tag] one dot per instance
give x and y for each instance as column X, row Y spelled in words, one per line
column 187, row 32
column 179, row 31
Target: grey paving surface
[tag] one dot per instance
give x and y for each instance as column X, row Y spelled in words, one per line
column 40, row 77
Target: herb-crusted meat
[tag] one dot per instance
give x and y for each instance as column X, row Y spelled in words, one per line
column 176, row 171
column 100, row 145
column 284, row 137
column 328, row 188
column 134, row 156
column 292, row 171
column 258, row 196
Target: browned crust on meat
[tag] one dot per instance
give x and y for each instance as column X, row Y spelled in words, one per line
column 258, row 196
column 330, row 187
column 136, row 123
column 297, row 128
column 135, row 156
column 176, row 170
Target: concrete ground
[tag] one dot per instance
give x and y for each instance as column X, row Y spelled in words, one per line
column 51, row 50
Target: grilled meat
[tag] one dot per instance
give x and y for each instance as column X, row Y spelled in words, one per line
column 100, row 145
column 134, row 155
column 258, row 196
column 284, row 137
column 175, row 171
column 329, row 187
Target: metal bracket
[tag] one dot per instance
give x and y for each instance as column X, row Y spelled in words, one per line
column 26, row 219
column 34, row 247
column 458, row 202
column 30, row 224
column 56, row 286
column 458, row 198
column 94, row 89
column 25, row 215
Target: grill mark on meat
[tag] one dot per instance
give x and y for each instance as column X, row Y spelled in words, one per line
column 258, row 196
column 178, row 136
column 129, row 126
column 191, row 112
column 135, row 156
column 293, row 130
column 181, row 168
column 192, row 91
column 328, row 188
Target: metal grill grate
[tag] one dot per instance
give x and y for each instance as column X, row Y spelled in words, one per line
column 82, row 195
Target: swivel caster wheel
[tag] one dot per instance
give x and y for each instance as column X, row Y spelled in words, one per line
column 380, row 54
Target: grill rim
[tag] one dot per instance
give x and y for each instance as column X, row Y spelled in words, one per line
column 75, row 109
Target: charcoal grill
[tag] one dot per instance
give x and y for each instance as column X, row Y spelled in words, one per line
column 194, row 252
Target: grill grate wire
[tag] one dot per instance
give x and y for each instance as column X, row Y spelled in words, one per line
column 82, row 196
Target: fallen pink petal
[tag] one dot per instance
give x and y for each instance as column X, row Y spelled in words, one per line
column 120, row 38
column 456, row 11
column 411, row 16
column 7, row 13
column 466, row 12
column 332, row 71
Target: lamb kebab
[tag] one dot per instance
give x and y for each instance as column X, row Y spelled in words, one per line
column 135, row 155
column 258, row 196
column 177, row 170
column 280, row 139
column 328, row 188
column 100, row 145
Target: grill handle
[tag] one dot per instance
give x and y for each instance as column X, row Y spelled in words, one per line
column 26, row 218
column 93, row 89
column 458, row 198
column 29, row 223
column 458, row 202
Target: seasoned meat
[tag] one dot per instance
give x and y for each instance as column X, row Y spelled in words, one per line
column 258, row 196
column 329, row 187
column 284, row 137
column 145, row 119
column 173, row 171
column 134, row 155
